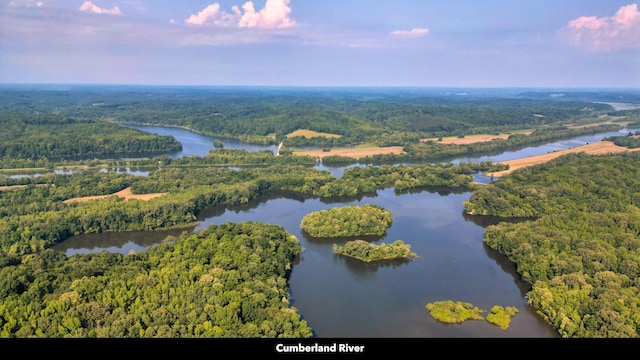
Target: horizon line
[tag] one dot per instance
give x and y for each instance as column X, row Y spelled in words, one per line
column 558, row 87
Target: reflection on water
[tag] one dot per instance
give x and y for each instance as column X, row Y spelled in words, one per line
column 117, row 242
column 340, row 240
column 487, row 220
column 356, row 266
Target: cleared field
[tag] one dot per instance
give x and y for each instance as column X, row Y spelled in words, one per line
column 472, row 139
column 599, row 148
column 311, row 134
column 353, row 152
column 125, row 194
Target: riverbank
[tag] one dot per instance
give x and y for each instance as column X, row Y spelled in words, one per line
column 599, row 148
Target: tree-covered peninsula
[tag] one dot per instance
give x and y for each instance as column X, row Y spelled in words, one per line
column 30, row 139
column 347, row 221
column 367, row 252
column 581, row 254
column 224, row 281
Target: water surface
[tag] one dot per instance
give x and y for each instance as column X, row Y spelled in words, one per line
column 344, row 297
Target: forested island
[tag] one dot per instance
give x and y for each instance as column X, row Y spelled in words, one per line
column 347, row 221
column 363, row 250
column 579, row 253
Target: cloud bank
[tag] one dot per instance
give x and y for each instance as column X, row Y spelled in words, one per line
column 606, row 34
column 274, row 15
column 27, row 3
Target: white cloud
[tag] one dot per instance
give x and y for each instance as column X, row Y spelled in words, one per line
column 210, row 12
column 417, row 32
column 274, row 14
column 606, row 34
column 90, row 7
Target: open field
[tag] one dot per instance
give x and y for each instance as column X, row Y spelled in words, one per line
column 125, row 194
column 471, row 139
column 355, row 152
column 599, row 148
column 311, row 134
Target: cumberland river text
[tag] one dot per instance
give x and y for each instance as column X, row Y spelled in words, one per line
column 317, row 348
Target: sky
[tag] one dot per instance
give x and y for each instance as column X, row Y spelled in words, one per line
column 404, row 43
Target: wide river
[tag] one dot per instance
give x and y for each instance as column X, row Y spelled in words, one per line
column 344, row 298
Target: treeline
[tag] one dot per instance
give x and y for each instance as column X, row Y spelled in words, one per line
column 35, row 137
column 582, row 254
column 629, row 141
column 233, row 157
column 451, row 116
column 36, row 217
column 226, row 281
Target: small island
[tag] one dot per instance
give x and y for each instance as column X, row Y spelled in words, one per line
column 454, row 312
column 458, row 312
column 347, row 221
column 501, row 316
column 366, row 252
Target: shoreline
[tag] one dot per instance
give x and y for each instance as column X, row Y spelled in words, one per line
column 599, row 148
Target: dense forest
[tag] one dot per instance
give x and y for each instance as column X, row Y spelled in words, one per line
column 225, row 281
column 265, row 116
column 579, row 253
column 37, row 137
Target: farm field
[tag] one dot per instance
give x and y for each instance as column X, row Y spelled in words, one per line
column 355, row 152
column 599, row 148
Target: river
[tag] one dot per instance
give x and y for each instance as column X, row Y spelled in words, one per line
column 344, row 298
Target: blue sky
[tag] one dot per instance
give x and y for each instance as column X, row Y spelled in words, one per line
column 426, row 43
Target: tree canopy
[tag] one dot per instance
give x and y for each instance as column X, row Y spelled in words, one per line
column 354, row 220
